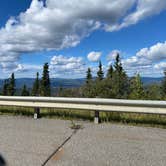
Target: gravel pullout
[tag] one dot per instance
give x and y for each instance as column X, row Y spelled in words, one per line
column 29, row 142
column 114, row 145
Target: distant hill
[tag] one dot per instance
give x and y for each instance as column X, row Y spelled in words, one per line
column 55, row 82
column 70, row 83
column 151, row 80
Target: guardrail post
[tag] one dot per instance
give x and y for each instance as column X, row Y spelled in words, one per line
column 36, row 113
column 96, row 118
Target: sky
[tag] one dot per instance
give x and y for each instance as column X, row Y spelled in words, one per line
column 72, row 35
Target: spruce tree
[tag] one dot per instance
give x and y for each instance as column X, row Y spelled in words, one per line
column 100, row 74
column 45, row 82
column 108, row 84
column 136, row 87
column 121, row 85
column 163, row 87
column 89, row 87
column 88, row 76
column 24, row 91
column 110, row 72
column 118, row 65
column 5, row 87
column 11, row 87
column 36, row 86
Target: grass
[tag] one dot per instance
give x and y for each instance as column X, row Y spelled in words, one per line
column 125, row 118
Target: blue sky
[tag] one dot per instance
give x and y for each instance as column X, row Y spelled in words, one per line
column 72, row 36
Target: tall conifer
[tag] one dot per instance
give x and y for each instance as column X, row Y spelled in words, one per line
column 45, row 82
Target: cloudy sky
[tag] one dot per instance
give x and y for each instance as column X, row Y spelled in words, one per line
column 72, row 35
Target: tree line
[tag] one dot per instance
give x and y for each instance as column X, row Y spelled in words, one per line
column 117, row 84
column 113, row 84
column 41, row 87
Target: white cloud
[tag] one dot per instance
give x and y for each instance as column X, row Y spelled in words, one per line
column 147, row 59
column 67, row 66
column 112, row 55
column 94, row 56
column 148, row 56
column 160, row 66
column 56, row 25
column 62, row 24
column 144, row 9
column 21, row 70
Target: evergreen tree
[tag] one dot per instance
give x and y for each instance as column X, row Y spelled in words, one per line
column 88, row 76
column 100, row 74
column 11, row 87
column 36, row 86
column 108, row 84
column 153, row 92
column 98, row 83
column 110, row 72
column 118, row 65
column 120, row 79
column 24, row 91
column 89, row 87
column 5, row 87
column 137, row 90
column 163, row 87
column 45, row 82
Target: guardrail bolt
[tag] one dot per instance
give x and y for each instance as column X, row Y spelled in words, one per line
column 96, row 118
column 36, row 113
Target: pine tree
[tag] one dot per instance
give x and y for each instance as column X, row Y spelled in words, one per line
column 45, row 82
column 5, row 87
column 24, row 91
column 88, row 76
column 100, row 74
column 121, row 85
column 89, row 88
column 163, row 87
column 110, row 72
column 137, row 90
column 36, row 86
column 153, row 92
column 11, row 87
column 108, row 84
column 118, row 65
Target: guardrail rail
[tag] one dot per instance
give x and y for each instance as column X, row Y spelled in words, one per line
column 87, row 104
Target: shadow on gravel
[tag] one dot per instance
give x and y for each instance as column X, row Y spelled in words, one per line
column 2, row 161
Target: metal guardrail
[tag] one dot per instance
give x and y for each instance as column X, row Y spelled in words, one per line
column 88, row 104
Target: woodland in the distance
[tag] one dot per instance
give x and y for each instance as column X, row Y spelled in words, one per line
column 113, row 84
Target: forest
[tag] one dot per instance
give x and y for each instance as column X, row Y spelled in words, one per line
column 113, row 84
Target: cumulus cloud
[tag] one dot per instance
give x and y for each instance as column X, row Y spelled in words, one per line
column 148, row 56
column 147, row 59
column 144, row 9
column 67, row 66
column 112, row 55
column 160, row 66
column 94, row 56
column 56, row 25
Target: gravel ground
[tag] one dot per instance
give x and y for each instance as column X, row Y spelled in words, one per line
column 113, row 145
column 28, row 142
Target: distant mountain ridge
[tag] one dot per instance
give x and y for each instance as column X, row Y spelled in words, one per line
column 152, row 80
column 70, row 83
column 55, row 82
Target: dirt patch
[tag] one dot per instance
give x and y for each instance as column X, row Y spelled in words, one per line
column 58, row 155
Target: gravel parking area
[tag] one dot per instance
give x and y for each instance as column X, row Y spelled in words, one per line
column 28, row 142
column 113, row 145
